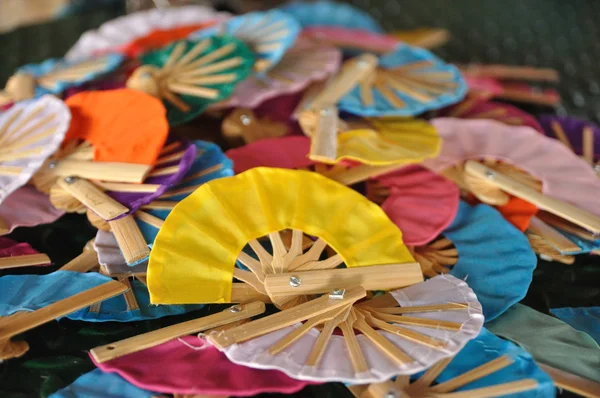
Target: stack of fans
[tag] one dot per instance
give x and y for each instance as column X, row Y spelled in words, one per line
column 304, row 199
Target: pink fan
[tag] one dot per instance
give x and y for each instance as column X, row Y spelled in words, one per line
column 421, row 203
column 563, row 176
column 304, row 63
column 14, row 254
column 189, row 365
column 351, row 39
column 286, row 152
column 26, row 207
column 475, row 108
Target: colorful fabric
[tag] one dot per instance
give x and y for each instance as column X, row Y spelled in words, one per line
column 97, row 384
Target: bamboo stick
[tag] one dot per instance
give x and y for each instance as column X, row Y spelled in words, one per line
column 104, row 171
column 130, row 239
column 141, row 342
column 26, row 260
column 92, row 197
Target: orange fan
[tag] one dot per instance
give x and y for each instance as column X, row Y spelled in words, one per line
column 122, row 125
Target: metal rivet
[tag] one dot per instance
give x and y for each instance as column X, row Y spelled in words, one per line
column 53, row 164
column 71, row 180
column 295, row 281
column 490, row 174
column 245, row 120
column 597, row 168
column 236, row 308
column 391, row 394
column 362, row 63
column 325, row 111
column 337, row 294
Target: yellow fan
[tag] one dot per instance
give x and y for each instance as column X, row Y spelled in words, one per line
column 193, row 257
column 376, row 142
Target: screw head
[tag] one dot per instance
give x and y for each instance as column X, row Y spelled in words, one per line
column 490, row 174
column 325, row 111
column 71, row 179
column 391, row 394
column 245, row 120
column 597, row 168
column 295, row 281
column 52, row 164
column 337, row 294
column 236, row 308
column 362, row 63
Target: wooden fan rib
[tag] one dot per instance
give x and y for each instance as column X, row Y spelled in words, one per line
column 7, row 157
column 434, row 76
column 149, row 219
column 125, row 187
column 168, row 148
column 390, row 96
column 473, row 374
column 412, row 66
column 215, row 79
column 424, row 79
column 257, row 32
column 424, row 308
column 175, row 101
column 504, row 389
column 47, row 119
column 170, row 158
column 422, row 322
column 4, row 129
column 26, row 260
column 491, row 114
column 195, row 51
column 408, row 91
column 194, row 91
column 588, row 145
column 254, row 266
column 312, row 254
column 203, row 173
column 366, row 93
column 267, row 48
column 320, row 345
column 440, row 244
column 431, row 374
column 179, row 191
column 174, row 56
column 160, row 205
column 408, row 334
column 385, row 346
column 208, row 58
column 130, row 300
column 248, row 27
column 561, row 135
column 329, row 263
column 213, row 68
column 279, row 252
column 428, row 88
column 249, row 278
column 164, row 171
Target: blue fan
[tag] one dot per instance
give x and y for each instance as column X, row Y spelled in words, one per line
column 502, row 369
column 585, row 319
column 269, row 34
column 331, row 13
column 407, row 82
column 494, row 257
column 53, row 76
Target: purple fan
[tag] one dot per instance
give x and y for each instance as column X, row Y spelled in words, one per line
column 573, row 129
column 175, row 160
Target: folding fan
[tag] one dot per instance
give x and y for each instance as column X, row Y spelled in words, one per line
column 351, row 40
column 29, row 133
column 331, row 13
column 475, row 108
column 189, row 76
column 53, row 76
column 97, row 384
column 269, row 34
column 408, row 81
column 178, row 366
column 421, row 203
column 482, row 248
column 309, row 205
column 118, row 32
column 580, row 136
column 301, row 65
column 486, row 367
column 554, row 343
column 374, row 142
column 14, row 254
column 32, row 300
column 26, row 207
column 402, row 332
column 585, row 319
column 568, row 189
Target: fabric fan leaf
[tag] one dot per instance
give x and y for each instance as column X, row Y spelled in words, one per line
column 238, row 52
column 573, row 128
column 408, row 82
column 97, row 384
